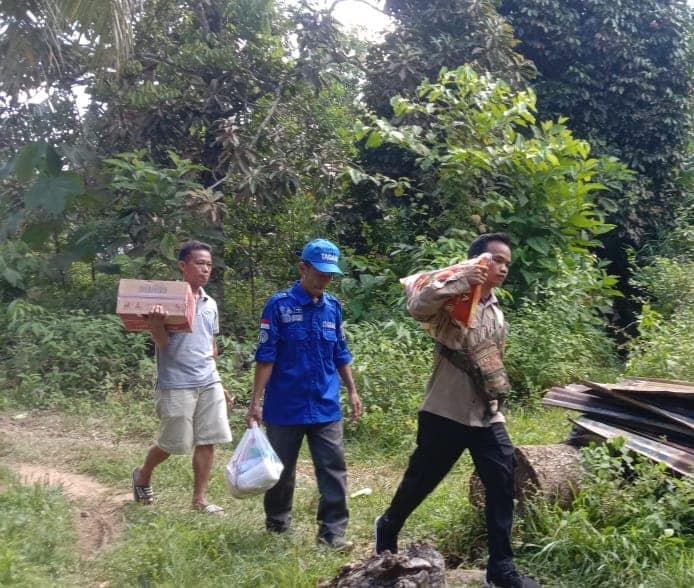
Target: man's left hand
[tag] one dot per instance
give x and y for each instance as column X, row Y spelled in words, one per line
column 355, row 401
column 229, row 397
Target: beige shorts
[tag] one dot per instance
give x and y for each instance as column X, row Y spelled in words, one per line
column 190, row 417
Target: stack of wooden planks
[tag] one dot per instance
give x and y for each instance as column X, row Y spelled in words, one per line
column 654, row 416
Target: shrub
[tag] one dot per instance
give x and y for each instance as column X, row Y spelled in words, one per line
column 560, row 335
column 664, row 345
column 50, row 357
column 391, row 365
column 622, row 529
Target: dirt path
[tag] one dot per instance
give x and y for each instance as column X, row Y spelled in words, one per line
column 47, row 448
column 99, row 517
column 98, row 508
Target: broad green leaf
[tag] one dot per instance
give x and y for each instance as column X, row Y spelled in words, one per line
column 13, row 277
column 529, row 277
column 357, row 176
column 24, row 162
column 168, row 245
column 52, row 193
column 582, row 221
column 49, row 159
column 375, row 139
column 602, row 228
column 36, row 234
column 539, row 244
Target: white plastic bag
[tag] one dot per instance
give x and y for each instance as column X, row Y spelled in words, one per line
column 254, row 467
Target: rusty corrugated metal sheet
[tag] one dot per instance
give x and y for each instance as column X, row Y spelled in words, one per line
column 677, row 416
column 580, row 398
column 674, row 457
column 656, row 386
column 656, row 417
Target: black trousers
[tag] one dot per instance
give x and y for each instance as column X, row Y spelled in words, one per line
column 440, row 442
column 326, row 447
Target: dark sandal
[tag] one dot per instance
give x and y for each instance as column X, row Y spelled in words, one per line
column 143, row 494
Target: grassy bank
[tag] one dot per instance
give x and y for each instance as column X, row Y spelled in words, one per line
column 168, row 545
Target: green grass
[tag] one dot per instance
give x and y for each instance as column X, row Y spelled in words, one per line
column 610, row 541
column 37, row 534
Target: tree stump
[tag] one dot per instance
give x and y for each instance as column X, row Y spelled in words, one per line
column 419, row 566
column 552, row 471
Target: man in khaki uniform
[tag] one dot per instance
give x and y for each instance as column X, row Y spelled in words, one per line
column 456, row 415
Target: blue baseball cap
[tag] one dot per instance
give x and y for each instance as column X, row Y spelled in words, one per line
column 323, row 255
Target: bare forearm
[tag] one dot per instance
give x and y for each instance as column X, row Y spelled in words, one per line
column 263, row 371
column 160, row 337
column 345, row 372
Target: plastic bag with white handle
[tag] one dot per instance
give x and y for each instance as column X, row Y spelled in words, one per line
column 254, row 466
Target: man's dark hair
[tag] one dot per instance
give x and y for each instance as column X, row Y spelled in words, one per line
column 189, row 246
column 479, row 245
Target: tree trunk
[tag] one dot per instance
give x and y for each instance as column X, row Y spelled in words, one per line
column 552, row 471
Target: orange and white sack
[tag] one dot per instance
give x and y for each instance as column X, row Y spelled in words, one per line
column 463, row 307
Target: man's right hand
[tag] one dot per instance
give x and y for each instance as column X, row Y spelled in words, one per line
column 156, row 321
column 156, row 318
column 254, row 415
column 474, row 273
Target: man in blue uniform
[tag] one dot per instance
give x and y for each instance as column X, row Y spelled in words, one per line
column 301, row 357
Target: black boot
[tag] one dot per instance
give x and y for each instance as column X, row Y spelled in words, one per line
column 385, row 535
column 513, row 579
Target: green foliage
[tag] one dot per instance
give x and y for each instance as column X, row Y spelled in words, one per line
column 392, row 362
column 36, row 525
column 263, row 255
column 678, row 241
column 214, row 129
column 42, row 194
column 45, row 44
column 622, row 73
column 448, row 249
column 50, row 357
column 622, row 530
column 428, row 36
column 485, row 163
column 370, row 288
column 664, row 344
column 235, row 364
column 560, row 335
column 158, row 206
column 16, row 263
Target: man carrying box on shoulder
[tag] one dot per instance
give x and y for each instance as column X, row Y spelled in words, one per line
column 190, row 399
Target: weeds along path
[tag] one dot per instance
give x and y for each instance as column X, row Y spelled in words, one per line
column 39, row 449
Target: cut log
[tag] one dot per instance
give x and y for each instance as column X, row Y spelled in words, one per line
column 552, row 471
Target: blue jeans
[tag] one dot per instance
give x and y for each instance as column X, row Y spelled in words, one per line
column 327, row 452
column 440, row 442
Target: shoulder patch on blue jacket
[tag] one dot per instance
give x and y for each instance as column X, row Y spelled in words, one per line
column 278, row 296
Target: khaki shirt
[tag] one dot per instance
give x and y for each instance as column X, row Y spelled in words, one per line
column 450, row 391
